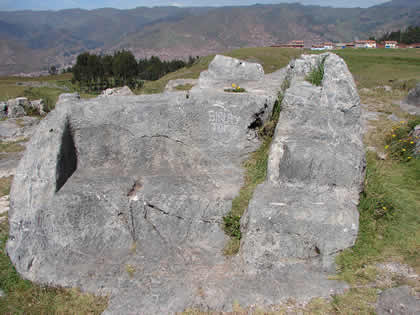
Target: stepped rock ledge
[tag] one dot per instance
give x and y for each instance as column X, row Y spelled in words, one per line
column 125, row 195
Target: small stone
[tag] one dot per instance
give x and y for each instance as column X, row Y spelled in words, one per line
column 393, row 117
column 120, row 91
column 16, row 107
column 399, row 301
column 413, row 97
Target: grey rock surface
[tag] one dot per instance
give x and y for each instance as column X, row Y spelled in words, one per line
column 9, row 163
column 226, row 71
column 16, row 107
column 14, row 129
column 126, row 196
column 394, row 117
column 413, row 97
column 398, row 301
column 306, row 210
column 68, row 97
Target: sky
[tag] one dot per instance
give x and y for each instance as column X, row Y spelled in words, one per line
column 8, row 5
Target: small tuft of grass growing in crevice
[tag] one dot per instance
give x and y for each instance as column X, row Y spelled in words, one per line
column 131, row 270
column 255, row 174
column 316, row 75
column 184, row 87
column 236, row 90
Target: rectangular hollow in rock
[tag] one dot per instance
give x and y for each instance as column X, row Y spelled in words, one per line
column 67, row 157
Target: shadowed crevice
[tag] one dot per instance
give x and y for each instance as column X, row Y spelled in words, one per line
column 67, row 159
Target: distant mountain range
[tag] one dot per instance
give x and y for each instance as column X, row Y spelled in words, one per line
column 32, row 40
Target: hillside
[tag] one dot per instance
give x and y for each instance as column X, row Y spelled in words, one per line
column 30, row 41
column 401, row 4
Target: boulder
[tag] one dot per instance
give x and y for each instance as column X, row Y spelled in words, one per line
column 120, row 91
column 398, row 301
column 126, row 196
column 226, row 71
column 39, row 106
column 415, row 134
column 16, row 107
column 68, row 97
column 3, row 110
column 306, row 210
column 413, row 97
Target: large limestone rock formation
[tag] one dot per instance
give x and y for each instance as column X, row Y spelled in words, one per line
column 126, row 195
column 306, row 209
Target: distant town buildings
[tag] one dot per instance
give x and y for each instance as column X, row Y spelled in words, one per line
column 365, row 44
column 391, row 44
column 356, row 44
column 293, row 44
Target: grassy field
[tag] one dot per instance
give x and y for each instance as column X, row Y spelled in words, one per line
column 378, row 67
column 389, row 206
column 10, row 88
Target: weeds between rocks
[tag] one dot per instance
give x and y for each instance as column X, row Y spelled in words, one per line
column 255, row 174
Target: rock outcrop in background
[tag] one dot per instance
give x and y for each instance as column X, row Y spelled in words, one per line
column 17, row 107
column 126, row 195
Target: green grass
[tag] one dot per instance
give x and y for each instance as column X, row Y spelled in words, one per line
column 9, row 89
column 389, row 216
column 5, row 184
column 184, row 87
column 10, row 147
column 378, row 67
column 49, row 95
column 271, row 58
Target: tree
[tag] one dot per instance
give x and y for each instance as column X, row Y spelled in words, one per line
column 52, row 70
column 124, row 66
